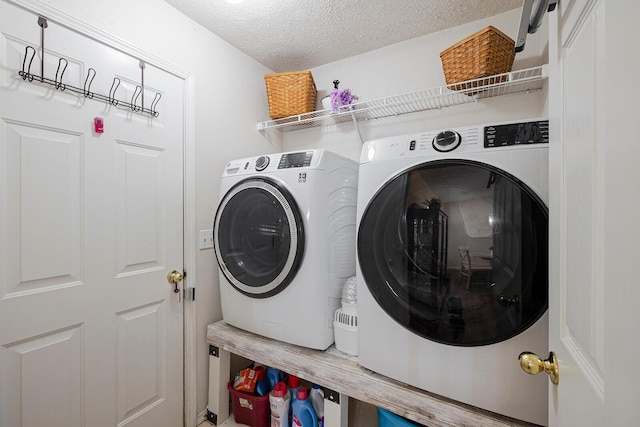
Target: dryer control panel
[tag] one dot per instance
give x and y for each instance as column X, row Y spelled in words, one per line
column 536, row 132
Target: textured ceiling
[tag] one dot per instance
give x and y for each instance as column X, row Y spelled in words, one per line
column 292, row 35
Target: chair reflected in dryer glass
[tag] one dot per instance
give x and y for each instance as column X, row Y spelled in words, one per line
column 473, row 269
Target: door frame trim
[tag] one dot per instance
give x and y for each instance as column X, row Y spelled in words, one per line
column 189, row 219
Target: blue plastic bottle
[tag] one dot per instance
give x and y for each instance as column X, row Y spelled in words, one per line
column 275, row 376
column 303, row 413
column 293, row 383
column 262, row 383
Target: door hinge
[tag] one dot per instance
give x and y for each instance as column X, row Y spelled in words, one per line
column 189, row 294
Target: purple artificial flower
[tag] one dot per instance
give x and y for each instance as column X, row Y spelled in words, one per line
column 341, row 97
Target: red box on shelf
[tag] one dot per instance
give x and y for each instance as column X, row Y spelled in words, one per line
column 249, row 409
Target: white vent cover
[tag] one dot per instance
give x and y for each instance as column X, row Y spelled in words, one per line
column 345, row 328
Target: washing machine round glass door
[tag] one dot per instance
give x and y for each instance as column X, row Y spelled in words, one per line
column 456, row 252
column 258, row 237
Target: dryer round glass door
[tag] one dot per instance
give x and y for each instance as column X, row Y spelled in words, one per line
column 456, row 251
column 258, row 237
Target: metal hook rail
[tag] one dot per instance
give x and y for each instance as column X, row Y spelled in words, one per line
column 138, row 93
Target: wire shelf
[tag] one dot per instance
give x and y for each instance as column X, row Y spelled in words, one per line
column 512, row 83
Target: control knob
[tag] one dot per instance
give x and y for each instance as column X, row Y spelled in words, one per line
column 447, row 140
column 261, row 163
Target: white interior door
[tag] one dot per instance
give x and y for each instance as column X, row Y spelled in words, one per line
column 90, row 328
column 594, row 207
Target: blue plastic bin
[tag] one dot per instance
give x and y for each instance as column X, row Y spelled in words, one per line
column 389, row 419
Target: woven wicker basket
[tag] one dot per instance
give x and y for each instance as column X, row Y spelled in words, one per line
column 291, row 93
column 485, row 53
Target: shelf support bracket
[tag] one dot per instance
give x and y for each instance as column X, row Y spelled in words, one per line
column 355, row 123
column 336, row 408
column 219, row 368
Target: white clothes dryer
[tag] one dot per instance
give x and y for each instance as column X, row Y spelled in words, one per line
column 284, row 237
column 453, row 263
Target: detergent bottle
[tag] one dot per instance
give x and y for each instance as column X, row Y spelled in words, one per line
column 279, row 401
column 262, row 383
column 303, row 413
column 274, row 375
column 316, row 396
column 293, row 383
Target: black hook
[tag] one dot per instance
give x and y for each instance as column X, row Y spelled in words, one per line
column 112, row 91
column 91, row 74
column 134, row 98
column 27, row 74
column 154, row 104
column 59, row 84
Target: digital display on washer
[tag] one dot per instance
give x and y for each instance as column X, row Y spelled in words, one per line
column 517, row 134
column 295, row 160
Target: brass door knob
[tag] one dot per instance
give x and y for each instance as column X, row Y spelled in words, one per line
column 174, row 276
column 533, row 364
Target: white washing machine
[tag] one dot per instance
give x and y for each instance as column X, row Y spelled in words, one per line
column 453, row 263
column 284, row 237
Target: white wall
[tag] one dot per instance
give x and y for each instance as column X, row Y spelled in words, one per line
column 413, row 66
column 229, row 99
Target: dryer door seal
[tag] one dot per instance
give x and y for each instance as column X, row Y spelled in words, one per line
column 258, row 237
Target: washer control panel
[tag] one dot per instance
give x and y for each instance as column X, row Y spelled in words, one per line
column 536, row 132
column 295, row 160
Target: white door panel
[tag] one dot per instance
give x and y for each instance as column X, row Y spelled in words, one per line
column 593, row 236
column 90, row 329
column 50, row 251
column 577, row 251
column 33, row 367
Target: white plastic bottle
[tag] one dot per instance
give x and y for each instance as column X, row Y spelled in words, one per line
column 279, row 401
column 317, row 399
